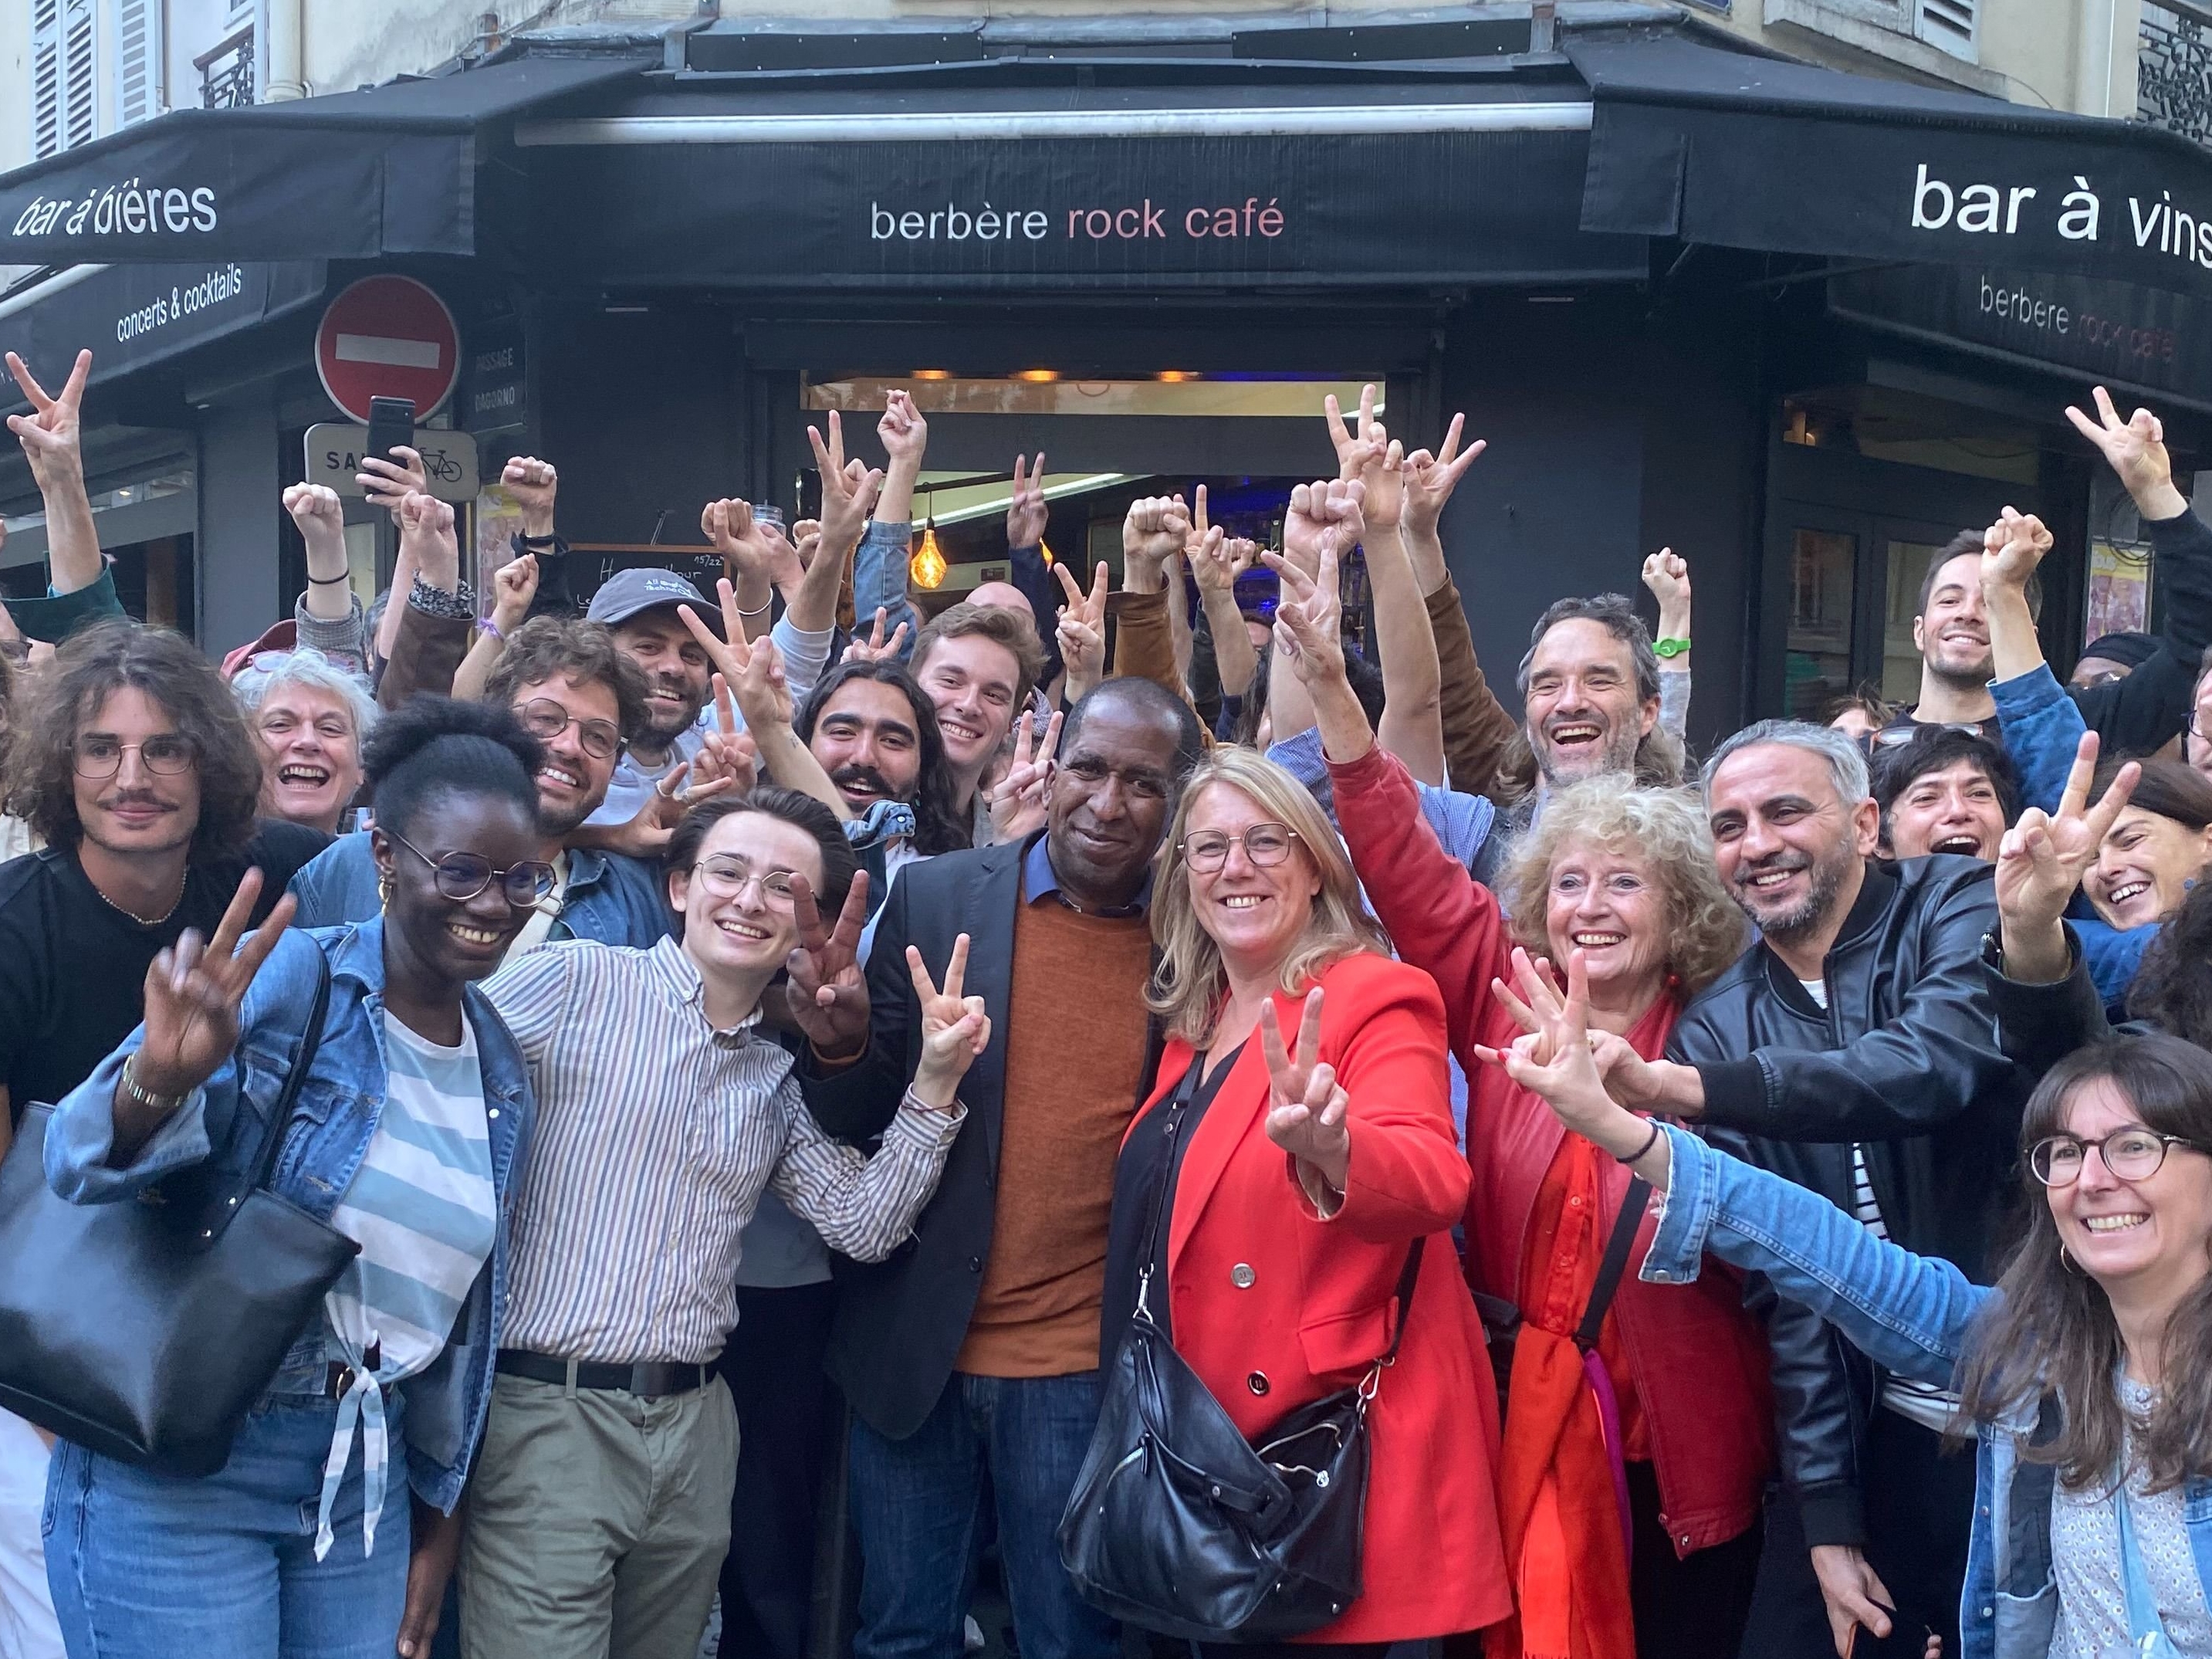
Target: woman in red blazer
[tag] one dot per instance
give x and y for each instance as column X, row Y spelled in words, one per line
column 1673, row 1413
column 1281, row 1271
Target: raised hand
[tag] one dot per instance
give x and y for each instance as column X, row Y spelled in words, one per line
column 388, row 483
column 513, row 586
column 1325, row 513
column 1018, row 799
column 730, row 653
column 1152, row 533
column 1554, row 1061
column 1309, row 618
column 748, row 547
column 1216, row 560
column 1306, row 1107
column 825, row 992
column 1356, row 446
column 193, row 991
column 1082, row 630
column 954, row 1029
column 1027, row 514
column 904, row 433
column 875, row 647
column 532, row 485
column 2012, row 548
column 2042, row 858
column 321, row 516
column 806, row 537
column 1430, row 480
column 2135, row 449
column 763, row 694
column 50, row 433
column 1667, row 575
column 849, row 489
column 426, row 534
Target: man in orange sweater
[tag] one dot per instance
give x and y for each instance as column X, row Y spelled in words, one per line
column 973, row 1351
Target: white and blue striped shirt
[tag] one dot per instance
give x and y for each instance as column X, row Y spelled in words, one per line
column 423, row 1209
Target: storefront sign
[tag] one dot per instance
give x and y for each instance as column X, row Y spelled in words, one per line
column 1078, row 212
column 134, row 316
column 449, row 459
column 493, row 387
column 2108, row 330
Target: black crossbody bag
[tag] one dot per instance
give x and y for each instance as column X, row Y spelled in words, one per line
column 1501, row 1320
column 144, row 1330
column 1180, row 1524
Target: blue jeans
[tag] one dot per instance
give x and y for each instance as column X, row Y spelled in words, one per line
column 152, row 1566
column 918, row 1504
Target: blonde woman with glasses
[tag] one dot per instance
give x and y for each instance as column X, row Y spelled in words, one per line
column 1300, row 1130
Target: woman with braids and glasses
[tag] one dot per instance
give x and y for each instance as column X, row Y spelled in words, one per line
column 2086, row 1372
column 1300, row 1143
column 332, row 1528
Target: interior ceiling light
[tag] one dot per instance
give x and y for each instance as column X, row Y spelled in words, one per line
column 927, row 566
column 1041, row 376
column 932, row 374
column 1174, row 376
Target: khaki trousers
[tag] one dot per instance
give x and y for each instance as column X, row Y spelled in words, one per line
column 597, row 1523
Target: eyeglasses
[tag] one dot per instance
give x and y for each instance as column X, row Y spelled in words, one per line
column 461, row 876
column 168, row 753
column 2130, row 1154
column 727, row 879
column 546, row 719
column 1265, row 845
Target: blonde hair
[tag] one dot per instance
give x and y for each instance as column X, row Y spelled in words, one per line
column 1665, row 828
column 1189, row 984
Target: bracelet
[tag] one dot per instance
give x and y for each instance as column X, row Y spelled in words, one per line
column 1637, row 1157
column 760, row 609
column 551, row 539
column 911, row 1099
column 150, row 1101
column 486, row 625
column 330, row 581
column 1670, row 647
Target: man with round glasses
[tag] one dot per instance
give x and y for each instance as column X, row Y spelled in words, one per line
column 583, row 698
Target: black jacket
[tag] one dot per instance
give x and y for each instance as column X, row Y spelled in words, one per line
column 1904, row 1060
column 900, row 1322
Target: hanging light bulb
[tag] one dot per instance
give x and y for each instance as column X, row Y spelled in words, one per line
column 927, row 565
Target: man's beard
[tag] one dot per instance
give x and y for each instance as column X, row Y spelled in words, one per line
column 185, row 826
column 1615, row 752
column 558, row 826
column 1974, row 676
column 662, row 730
column 1827, row 878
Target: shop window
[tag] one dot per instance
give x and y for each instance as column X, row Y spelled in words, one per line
column 1908, row 564
column 1044, row 391
column 1823, row 572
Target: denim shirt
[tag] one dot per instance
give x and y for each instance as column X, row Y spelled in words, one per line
column 880, row 568
column 610, row 899
column 340, row 1102
column 1911, row 1314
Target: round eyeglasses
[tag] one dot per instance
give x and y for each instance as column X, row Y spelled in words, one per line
column 727, row 879
column 1265, row 844
column 167, row 753
column 461, row 876
column 2133, row 1154
column 546, row 720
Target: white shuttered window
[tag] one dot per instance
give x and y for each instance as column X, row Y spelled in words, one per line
column 64, row 100
column 139, row 93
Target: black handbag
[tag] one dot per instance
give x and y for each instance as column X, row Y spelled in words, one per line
column 144, row 1330
column 1180, row 1524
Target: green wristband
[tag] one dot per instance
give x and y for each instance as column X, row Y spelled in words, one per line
column 1670, row 648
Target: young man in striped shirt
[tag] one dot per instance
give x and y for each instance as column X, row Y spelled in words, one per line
column 599, row 1514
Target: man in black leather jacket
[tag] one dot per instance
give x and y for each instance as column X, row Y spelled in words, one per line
column 1853, row 1050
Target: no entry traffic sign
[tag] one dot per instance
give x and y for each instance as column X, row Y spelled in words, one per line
column 388, row 336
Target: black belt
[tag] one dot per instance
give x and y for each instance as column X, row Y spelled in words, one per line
column 650, row 1379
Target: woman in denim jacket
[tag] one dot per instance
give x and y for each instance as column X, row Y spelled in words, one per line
column 2091, row 1356
column 408, row 1136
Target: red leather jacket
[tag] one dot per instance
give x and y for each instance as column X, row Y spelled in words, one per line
column 1698, row 1359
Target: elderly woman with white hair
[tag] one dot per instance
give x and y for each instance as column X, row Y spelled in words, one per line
column 310, row 717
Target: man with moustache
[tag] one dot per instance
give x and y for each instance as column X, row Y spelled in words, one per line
column 1853, row 1049
column 875, row 732
column 582, row 697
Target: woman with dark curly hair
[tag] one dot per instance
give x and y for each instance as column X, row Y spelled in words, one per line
column 1637, row 1435
column 129, row 758
column 408, row 1134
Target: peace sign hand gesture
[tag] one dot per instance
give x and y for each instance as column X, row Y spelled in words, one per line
column 49, row 433
column 1357, row 447
column 1017, row 800
column 1027, row 514
column 1306, row 1107
column 1554, row 1061
column 849, row 489
column 2042, row 859
column 824, row 990
column 1430, row 479
column 954, row 1028
column 192, row 996
column 1083, row 630
column 1309, row 625
column 2136, row 449
column 875, row 647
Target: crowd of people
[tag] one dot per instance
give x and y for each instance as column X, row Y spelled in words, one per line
column 1762, row 1204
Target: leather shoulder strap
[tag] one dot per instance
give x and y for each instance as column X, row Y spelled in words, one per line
column 1615, row 1262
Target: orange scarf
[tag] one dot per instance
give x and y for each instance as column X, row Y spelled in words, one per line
column 1562, row 1521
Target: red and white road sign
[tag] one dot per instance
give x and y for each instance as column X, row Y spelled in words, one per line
column 388, row 336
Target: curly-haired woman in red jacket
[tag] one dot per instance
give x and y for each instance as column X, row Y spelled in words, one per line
column 1674, row 1416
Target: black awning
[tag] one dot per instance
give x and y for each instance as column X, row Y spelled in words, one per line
column 388, row 170
column 1718, row 147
